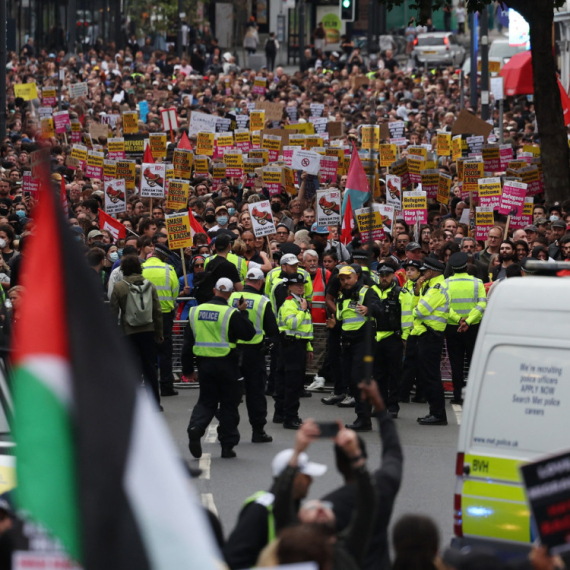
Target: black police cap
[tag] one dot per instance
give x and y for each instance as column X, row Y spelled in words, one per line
column 458, row 260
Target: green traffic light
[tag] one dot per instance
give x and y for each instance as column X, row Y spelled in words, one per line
column 346, row 3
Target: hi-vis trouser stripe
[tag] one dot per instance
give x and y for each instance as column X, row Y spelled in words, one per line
column 162, row 288
column 223, row 330
column 258, row 329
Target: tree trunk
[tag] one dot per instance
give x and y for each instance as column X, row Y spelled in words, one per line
column 549, row 116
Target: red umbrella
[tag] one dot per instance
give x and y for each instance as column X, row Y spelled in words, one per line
column 518, row 78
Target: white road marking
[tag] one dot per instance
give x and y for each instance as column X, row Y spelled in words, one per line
column 204, row 465
column 208, row 502
column 211, row 434
column 458, row 412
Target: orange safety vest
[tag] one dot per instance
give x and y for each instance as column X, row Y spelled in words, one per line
column 318, row 306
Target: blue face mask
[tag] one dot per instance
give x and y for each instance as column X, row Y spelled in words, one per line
column 21, row 214
column 231, row 211
column 114, row 256
column 120, row 250
column 222, row 220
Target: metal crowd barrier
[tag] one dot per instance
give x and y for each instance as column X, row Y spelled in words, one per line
column 319, row 348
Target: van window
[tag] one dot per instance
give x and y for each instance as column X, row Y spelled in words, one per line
column 524, row 400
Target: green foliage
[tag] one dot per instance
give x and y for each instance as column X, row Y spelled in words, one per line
column 159, row 15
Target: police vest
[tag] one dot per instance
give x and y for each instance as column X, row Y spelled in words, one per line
column 346, row 311
column 318, row 307
column 163, row 277
column 390, row 320
column 372, row 275
column 266, row 500
column 209, row 323
column 274, row 277
column 432, row 310
column 407, row 303
column 239, row 262
column 467, row 296
column 256, row 305
column 293, row 321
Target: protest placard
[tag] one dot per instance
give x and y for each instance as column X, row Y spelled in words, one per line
column 234, row 163
column 182, row 160
column 153, row 180
column 47, row 127
column 109, row 169
column 126, row 169
column 397, row 129
column 430, row 183
column 369, row 223
column 49, row 96
column 483, row 223
column 205, row 143
column 78, row 90
column 179, row 230
column 79, row 152
column 443, row 144
column 30, row 185
column 394, row 191
column 415, row 166
column 473, row 170
column 260, row 86
column 116, row 148
column 524, row 220
column 62, row 122
column 329, row 169
column 388, row 154
column 512, row 198
column 490, row 193
column 256, row 120
column 370, row 137
column 306, row 160
column 272, row 179
column 130, row 123
column 491, row 157
column 157, row 142
column 328, row 207
column 415, row 207
column 94, row 167
column 261, row 218
column 444, row 188
column 26, row 91
column 273, row 111
column 115, row 196
column 272, row 144
column 178, row 192
column 202, row 122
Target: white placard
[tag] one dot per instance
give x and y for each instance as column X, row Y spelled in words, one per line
column 202, row 122
column 152, row 180
column 306, row 160
column 261, row 218
column 78, row 90
column 328, row 207
column 498, row 88
column 394, row 191
column 115, row 192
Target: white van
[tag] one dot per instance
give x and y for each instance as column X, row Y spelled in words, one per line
column 517, row 408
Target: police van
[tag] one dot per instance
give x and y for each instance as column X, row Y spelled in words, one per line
column 517, row 409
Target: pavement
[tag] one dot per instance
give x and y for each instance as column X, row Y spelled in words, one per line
column 429, row 459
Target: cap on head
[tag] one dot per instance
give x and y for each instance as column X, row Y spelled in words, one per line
column 295, row 279
column 222, row 241
column 319, row 230
column 289, row 259
column 290, row 248
column 94, row 233
column 459, row 260
column 281, row 460
column 347, row 270
column 413, row 245
column 531, row 228
column 220, row 208
column 432, row 263
column 162, row 248
column 225, row 285
column 558, row 224
column 385, row 268
column 255, row 274
column 360, row 254
column 412, row 263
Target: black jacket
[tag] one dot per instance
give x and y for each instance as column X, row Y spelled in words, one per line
column 371, row 301
column 387, row 481
column 239, row 328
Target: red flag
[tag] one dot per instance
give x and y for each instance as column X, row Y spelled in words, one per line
column 106, row 222
column 184, row 142
column 195, row 227
column 347, row 223
column 64, row 205
column 357, row 182
column 148, row 158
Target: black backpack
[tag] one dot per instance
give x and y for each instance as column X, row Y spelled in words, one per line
column 204, row 282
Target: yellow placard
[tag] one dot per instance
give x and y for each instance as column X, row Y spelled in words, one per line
column 116, row 145
column 242, row 136
column 200, row 165
column 443, row 144
column 302, row 128
column 218, row 170
column 312, row 141
column 272, row 176
column 256, row 120
column 47, row 127
column 224, row 139
column 79, row 152
column 26, row 91
column 157, row 142
column 366, row 222
column 411, row 202
column 472, row 172
column 299, row 140
column 370, row 137
column 250, row 164
column 126, row 170
column 289, row 181
column 528, row 209
column 130, row 123
column 205, row 144
column 178, row 192
column 532, row 149
column 182, row 160
column 418, row 151
column 233, row 159
column 444, row 189
column 95, row 159
column 456, row 147
column 169, row 172
column 388, row 154
column 179, row 233
column 271, row 142
column 415, row 165
column 256, row 138
column 484, row 218
column 109, row 169
column 260, row 153
column 488, row 189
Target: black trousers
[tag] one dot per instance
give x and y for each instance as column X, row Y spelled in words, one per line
column 353, row 353
column 165, row 352
column 430, row 345
column 253, row 371
column 270, row 56
column 290, row 378
column 410, row 375
column 388, row 365
column 274, row 354
column 219, row 396
column 145, row 350
column 460, row 348
column 331, row 367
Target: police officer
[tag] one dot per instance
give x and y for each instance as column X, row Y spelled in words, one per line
column 411, row 362
column 211, row 335
column 252, row 351
column 389, row 352
column 360, row 257
column 468, row 300
column 430, row 319
column 163, row 277
column 289, row 266
column 296, row 327
column 239, row 262
column 356, row 304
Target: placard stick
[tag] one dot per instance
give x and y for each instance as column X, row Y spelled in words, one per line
column 184, row 267
column 507, row 227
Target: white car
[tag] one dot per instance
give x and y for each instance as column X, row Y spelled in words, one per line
column 500, row 52
column 438, row 48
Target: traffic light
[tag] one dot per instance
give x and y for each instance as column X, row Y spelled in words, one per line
column 347, row 10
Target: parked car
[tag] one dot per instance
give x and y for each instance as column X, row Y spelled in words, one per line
column 438, row 48
column 500, row 52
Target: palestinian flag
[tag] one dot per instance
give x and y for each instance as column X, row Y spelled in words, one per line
column 357, row 187
column 347, row 223
column 94, row 461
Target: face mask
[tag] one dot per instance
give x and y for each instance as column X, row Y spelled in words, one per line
column 210, row 219
column 120, row 250
column 2, row 243
column 382, row 98
column 21, row 214
column 231, row 211
column 4, row 211
column 114, row 256
column 93, row 62
column 275, row 207
column 553, row 218
column 222, row 220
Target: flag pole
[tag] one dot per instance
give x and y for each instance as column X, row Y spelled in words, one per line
column 184, row 267
column 369, row 355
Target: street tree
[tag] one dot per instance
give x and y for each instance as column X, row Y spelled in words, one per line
column 552, row 132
